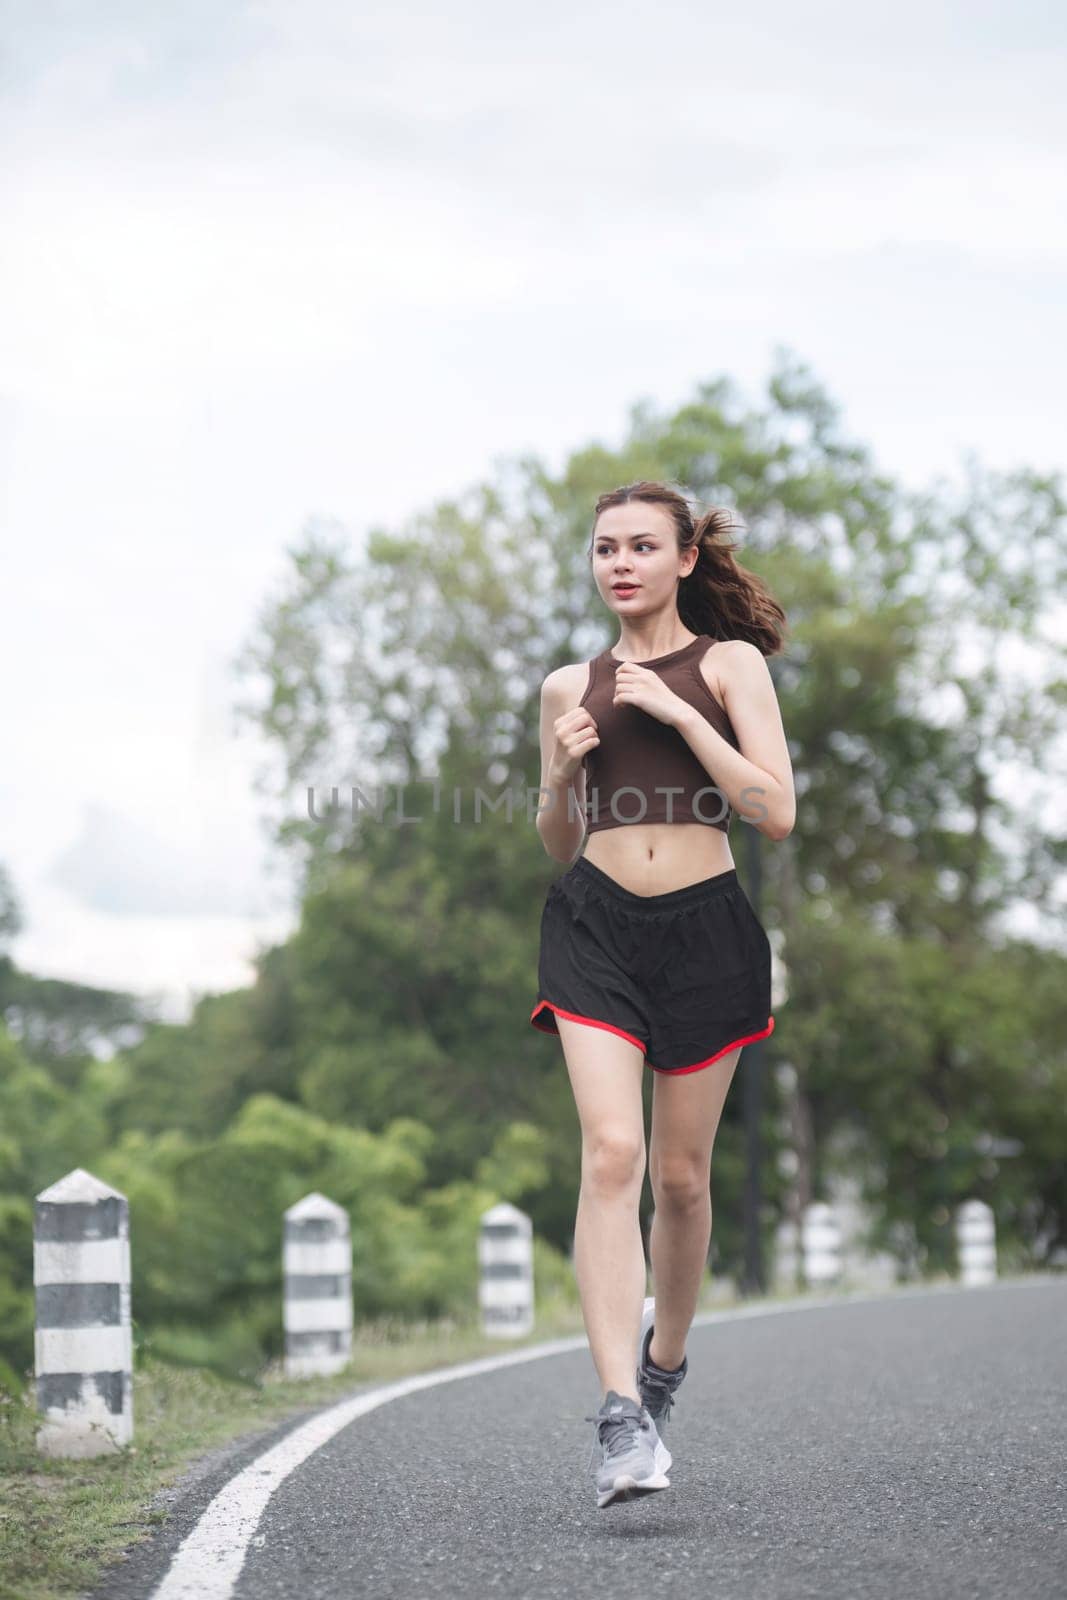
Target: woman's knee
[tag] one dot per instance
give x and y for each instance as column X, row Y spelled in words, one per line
column 680, row 1181
column 613, row 1158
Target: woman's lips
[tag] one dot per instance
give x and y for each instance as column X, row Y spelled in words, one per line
column 625, row 590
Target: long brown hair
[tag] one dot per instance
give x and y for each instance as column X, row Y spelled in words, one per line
column 718, row 597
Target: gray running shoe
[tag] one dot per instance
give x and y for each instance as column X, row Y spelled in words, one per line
column 625, row 1444
column 656, row 1387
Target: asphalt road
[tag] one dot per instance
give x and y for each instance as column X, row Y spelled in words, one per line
column 915, row 1444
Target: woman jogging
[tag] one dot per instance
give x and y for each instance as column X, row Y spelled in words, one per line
column 651, row 953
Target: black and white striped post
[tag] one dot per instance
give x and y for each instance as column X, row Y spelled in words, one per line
column 820, row 1245
column 976, row 1243
column 505, row 1260
column 317, row 1274
column 83, row 1355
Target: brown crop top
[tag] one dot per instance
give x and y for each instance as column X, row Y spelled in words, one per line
column 643, row 770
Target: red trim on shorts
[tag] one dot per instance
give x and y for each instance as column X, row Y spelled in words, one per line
column 591, row 1022
column 674, row 1072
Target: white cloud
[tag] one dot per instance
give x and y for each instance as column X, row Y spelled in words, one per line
column 120, row 866
column 169, row 960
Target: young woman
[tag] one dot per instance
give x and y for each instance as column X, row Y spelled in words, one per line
column 651, row 953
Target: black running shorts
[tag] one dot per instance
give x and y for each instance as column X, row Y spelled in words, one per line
column 685, row 976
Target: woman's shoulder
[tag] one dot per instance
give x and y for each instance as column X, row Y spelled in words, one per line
column 730, row 670
column 712, row 668
column 567, row 684
column 724, row 661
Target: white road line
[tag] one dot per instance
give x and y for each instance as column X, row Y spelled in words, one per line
column 208, row 1562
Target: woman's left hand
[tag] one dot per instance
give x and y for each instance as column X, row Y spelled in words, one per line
column 640, row 686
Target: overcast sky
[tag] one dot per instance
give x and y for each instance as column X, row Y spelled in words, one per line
column 265, row 262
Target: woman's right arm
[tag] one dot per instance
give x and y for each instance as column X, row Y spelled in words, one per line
column 565, row 738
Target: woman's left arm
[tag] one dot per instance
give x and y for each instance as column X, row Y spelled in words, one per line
column 757, row 779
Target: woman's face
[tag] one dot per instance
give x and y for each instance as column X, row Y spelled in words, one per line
column 635, row 546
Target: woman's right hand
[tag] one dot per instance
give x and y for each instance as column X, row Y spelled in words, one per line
column 575, row 735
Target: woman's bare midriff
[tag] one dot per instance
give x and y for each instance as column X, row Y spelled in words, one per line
column 656, row 857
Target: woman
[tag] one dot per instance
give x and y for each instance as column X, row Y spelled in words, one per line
column 650, row 950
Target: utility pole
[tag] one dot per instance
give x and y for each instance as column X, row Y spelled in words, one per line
column 753, row 1280
column 753, row 1072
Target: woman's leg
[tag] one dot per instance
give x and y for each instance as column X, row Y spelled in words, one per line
column 685, row 1119
column 609, row 1258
